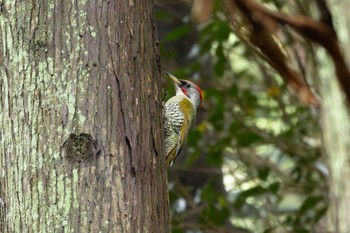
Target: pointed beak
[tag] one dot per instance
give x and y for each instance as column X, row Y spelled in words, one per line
column 174, row 80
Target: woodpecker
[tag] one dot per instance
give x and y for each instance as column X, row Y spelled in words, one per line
column 179, row 116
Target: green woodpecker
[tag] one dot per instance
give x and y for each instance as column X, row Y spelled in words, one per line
column 179, row 116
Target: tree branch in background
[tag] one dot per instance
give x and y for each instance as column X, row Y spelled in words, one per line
column 318, row 31
column 326, row 15
column 202, row 9
column 258, row 32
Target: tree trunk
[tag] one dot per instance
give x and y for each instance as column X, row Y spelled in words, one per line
column 336, row 131
column 80, row 118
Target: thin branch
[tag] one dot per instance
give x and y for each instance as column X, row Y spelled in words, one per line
column 254, row 29
column 318, row 31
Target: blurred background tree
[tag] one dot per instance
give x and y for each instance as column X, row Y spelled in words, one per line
column 269, row 150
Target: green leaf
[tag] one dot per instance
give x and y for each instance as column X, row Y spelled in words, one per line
column 310, row 203
column 215, row 157
column 219, row 66
column 263, row 173
column 217, row 118
column 234, row 90
column 301, row 231
column 208, row 193
column 270, row 230
column 249, row 97
column 218, row 30
column 177, row 33
column 163, row 16
column 235, row 127
column 255, row 191
column 173, row 197
column 217, row 214
column 193, row 137
column 223, row 31
column 274, row 187
column 192, row 158
column 247, row 138
column 177, row 230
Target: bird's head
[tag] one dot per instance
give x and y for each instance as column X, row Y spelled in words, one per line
column 187, row 88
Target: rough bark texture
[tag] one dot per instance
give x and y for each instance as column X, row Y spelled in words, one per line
column 82, row 71
column 336, row 130
column 336, row 124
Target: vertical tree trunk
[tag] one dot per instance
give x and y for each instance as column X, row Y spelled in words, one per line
column 336, row 131
column 80, row 118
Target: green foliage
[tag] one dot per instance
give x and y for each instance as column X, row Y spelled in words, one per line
column 177, row 33
column 247, row 138
column 253, row 161
column 216, row 215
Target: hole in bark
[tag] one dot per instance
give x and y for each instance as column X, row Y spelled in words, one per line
column 81, row 147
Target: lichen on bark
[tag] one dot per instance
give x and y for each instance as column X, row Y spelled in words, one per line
column 78, row 67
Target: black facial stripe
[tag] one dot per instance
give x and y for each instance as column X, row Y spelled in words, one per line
column 183, row 82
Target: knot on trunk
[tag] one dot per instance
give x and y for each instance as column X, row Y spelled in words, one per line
column 80, row 147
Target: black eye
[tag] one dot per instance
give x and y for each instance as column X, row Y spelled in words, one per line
column 188, row 85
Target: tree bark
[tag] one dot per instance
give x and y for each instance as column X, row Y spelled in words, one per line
column 336, row 130
column 80, row 118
